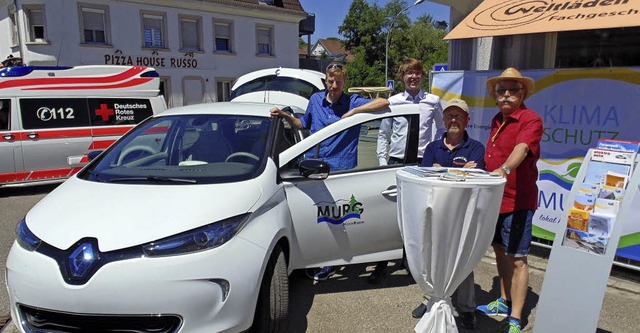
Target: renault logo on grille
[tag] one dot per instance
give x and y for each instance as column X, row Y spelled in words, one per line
column 81, row 260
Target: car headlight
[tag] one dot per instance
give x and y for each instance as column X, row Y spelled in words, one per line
column 203, row 238
column 26, row 238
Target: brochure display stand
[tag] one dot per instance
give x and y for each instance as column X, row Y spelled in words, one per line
column 580, row 262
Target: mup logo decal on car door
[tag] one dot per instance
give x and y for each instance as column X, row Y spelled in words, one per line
column 341, row 211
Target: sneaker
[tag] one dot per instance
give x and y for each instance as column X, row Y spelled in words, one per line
column 514, row 328
column 419, row 311
column 495, row 308
column 468, row 320
column 378, row 273
column 324, row 273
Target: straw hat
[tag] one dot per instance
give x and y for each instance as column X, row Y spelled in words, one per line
column 514, row 75
column 457, row 103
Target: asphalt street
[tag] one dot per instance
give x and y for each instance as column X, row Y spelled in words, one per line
column 348, row 303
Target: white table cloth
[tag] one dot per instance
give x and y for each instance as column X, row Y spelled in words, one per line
column 446, row 226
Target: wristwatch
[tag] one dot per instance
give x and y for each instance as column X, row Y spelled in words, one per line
column 505, row 169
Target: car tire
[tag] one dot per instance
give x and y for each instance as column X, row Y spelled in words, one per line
column 272, row 309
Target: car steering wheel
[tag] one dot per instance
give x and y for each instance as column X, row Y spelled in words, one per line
column 242, row 153
column 135, row 149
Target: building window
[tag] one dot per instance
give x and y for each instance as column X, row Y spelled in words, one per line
column 264, row 38
column 35, row 22
column 14, row 25
column 153, row 30
column 223, row 32
column 192, row 90
column 616, row 47
column 190, row 34
column 223, row 90
column 94, row 24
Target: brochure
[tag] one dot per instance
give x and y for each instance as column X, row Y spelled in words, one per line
column 613, row 179
column 618, row 145
column 606, row 206
column 583, row 241
column 604, row 161
column 601, row 225
column 585, row 200
column 611, row 192
column 578, row 219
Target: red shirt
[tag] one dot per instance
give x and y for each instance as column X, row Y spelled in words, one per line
column 522, row 126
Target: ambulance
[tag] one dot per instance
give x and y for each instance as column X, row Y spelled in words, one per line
column 51, row 117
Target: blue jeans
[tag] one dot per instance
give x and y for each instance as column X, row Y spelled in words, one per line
column 513, row 231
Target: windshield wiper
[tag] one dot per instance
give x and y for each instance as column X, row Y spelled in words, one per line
column 97, row 176
column 154, row 179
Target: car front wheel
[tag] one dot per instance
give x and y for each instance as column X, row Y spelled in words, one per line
column 272, row 310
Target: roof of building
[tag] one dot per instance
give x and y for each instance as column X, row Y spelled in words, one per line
column 289, row 5
column 334, row 46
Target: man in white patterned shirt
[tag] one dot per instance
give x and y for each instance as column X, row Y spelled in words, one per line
column 392, row 136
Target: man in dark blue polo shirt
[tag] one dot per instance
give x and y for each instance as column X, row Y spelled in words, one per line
column 456, row 150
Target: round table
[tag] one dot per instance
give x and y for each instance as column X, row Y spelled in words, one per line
column 447, row 220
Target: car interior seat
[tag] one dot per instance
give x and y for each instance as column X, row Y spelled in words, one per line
column 211, row 146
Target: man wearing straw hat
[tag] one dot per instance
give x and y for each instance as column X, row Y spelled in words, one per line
column 512, row 150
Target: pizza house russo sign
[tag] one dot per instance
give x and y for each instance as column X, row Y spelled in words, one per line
column 512, row 14
column 156, row 62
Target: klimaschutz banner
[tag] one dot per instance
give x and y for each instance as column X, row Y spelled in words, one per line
column 577, row 107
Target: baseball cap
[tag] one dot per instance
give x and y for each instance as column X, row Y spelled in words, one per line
column 459, row 103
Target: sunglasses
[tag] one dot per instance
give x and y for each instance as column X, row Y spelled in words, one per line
column 510, row 90
column 334, row 66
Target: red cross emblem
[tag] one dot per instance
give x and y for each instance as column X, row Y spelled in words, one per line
column 104, row 112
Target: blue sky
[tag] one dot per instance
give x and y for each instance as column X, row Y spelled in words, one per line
column 331, row 13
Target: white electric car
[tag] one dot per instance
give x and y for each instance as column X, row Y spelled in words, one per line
column 194, row 219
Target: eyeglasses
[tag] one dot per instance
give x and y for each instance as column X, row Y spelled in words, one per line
column 454, row 115
column 510, row 90
column 334, row 66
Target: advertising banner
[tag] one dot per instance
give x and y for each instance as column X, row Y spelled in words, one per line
column 577, row 107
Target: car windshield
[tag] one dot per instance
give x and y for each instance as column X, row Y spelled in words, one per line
column 186, row 149
column 277, row 83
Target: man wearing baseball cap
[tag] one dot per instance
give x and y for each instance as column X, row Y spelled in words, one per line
column 512, row 150
column 456, row 150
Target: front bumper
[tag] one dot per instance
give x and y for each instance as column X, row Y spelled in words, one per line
column 209, row 291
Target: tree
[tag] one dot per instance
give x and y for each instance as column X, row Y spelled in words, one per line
column 427, row 43
column 365, row 30
column 362, row 27
column 301, row 43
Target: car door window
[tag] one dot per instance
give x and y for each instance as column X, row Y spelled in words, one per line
column 365, row 154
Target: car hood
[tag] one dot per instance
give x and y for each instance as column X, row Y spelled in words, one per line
column 121, row 216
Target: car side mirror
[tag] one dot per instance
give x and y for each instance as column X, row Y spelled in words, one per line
column 314, row 169
column 93, row 154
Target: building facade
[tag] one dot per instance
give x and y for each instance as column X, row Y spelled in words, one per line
column 198, row 47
